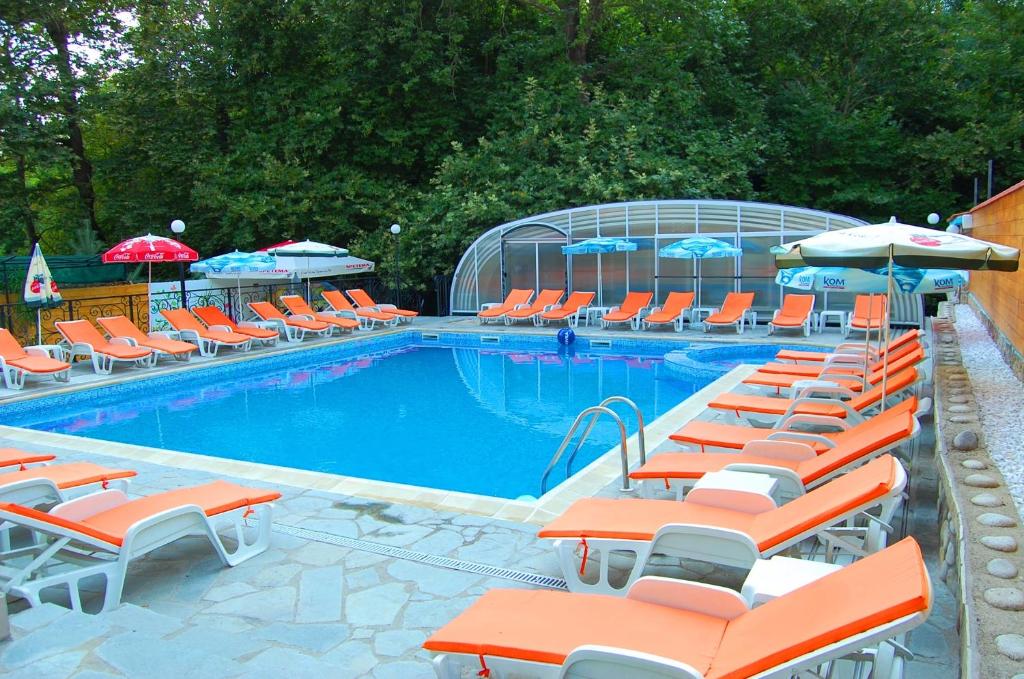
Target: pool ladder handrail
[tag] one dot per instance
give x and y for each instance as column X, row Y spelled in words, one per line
column 594, row 412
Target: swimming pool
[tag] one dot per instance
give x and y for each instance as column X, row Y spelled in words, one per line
column 451, row 413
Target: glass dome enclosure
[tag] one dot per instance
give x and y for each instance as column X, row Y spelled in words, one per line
column 526, row 253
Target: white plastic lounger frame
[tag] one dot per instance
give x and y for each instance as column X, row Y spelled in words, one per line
column 634, row 321
column 63, row 557
column 604, row 662
column 726, row 546
column 14, row 376
column 748, row 317
column 572, row 320
column 208, row 346
column 103, row 364
column 263, row 325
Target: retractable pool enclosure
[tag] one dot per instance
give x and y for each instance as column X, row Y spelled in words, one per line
column 526, row 253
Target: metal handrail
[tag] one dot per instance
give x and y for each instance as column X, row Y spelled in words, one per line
column 593, row 412
column 593, row 421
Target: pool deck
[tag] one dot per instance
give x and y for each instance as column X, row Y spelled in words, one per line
column 320, row 601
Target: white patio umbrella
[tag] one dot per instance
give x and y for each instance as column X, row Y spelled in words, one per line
column 41, row 291
column 306, row 249
column 893, row 244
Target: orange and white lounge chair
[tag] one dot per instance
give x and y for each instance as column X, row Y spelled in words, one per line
column 850, row 377
column 828, row 402
column 576, row 304
column 160, row 343
column 735, row 310
column 215, row 319
column 85, row 340
column 52, row 484
column 725, row 526
column 672, row 311
column 852, row 363
column 546, row 301
column 360, row 298
column 797, row 312
column 495, row 311
column 299, row 308
column 15, row 457
column 635, row 304
column 209, row 340
column 18, row 362
column 868, row 314
column 367, row 316
column 689, row 630
column 846, row 350
column 294, row 329
column 799, row 460
column 101, row 533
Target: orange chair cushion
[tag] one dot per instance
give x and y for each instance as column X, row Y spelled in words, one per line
column 256, row 333
column 13, row 456
column 545, row 626
column 69, row 475
column 303, row 323
column 347, row 323
column 122, row 351
column 767, row 405
column 41, row 365
column 719, row 435
column 168, row 346
column 789, row 321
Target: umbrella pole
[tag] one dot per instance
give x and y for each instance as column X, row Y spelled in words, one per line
column 149, row 297
column 867, row 338
column 600, row 288
column 39, row 325
column 696, row 264
column 888, row 312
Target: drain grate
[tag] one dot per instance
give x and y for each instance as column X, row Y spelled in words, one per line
column 423, row 557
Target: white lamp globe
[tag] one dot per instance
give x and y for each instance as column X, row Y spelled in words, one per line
column 178, row 226
column 933, row 218
column 396, row 229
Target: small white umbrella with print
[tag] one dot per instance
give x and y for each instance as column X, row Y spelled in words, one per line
column 41, row 291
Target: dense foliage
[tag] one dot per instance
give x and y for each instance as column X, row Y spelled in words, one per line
column 255, row 120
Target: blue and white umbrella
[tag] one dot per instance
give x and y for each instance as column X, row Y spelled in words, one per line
column 41, row 291
column 841, row 279
column 599, row 246
column 699, row 248
column 238, row 263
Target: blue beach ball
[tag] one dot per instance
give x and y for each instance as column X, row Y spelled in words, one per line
column 566, row 336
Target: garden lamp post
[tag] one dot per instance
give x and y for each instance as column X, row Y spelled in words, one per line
column 396, row 229
column 178, row 228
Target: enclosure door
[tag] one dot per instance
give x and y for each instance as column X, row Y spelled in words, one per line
column 534, row 264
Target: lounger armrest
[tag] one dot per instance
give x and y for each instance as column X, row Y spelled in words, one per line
column 704, row 542
column 744, row 501
column 83, row 348
column 344, row 313
column 800, row 436
column 779, row 450
column 856, row 360
column 222, row 328
column 164, row 334
column 489, row 305
column 609, row 661
column 802, row 388
column 123, row 340
column 521, row 306
column 614, row 308
column 549, row 307
column 391, row 307
column 54, row 351
column 190, row 336
column 816, row 420
column 89, row 505
column 851, row 414
column 303, row 317
column 686, row 595
column 790, row 485
column 855, row 349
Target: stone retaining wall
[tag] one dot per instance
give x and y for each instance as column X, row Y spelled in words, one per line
column 979, row 527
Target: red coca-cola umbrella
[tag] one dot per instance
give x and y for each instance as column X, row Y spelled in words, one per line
column 148, row 249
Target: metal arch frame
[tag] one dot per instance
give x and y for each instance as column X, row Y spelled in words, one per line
column 469, row 264
column 503, row 237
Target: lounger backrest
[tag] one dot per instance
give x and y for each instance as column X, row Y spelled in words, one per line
column 297, row 305
column 120, row 326
column 265, row 310
column 879, row 589
column 81, row 331
column 10, row 348
column 677, row 302
column 897, row 362
column 547, row 298
column 879, row 432
column 212, row 315
column 181, row 319
column 906, row 337
column 895, row 383
column 896, row 354
column 798, row 306
column 736, row 303
column 869, row 307
column 635, row 301
column 517, row 297
column 59, row 525
column 578, row 299
column 825, row 503
column 337, row 300
column 360, row 297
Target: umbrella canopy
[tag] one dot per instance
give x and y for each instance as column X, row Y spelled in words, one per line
column 41, row 292
column 875, row 245
column 699, row 247
column 150, row 248
column 597, row 246
column 842, row 279
column 235, row 263
column 306, row 248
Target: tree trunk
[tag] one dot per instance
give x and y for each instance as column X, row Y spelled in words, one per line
column 81, row 168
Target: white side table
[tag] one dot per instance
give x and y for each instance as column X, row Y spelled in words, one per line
column 699, row 313
column 748, row 482
column 596, row 313
column 823, row 317
column 771, row 578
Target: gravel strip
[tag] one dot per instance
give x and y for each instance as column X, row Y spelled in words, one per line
column 1000, row 397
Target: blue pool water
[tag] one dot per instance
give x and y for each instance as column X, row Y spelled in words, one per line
column 477, row 419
